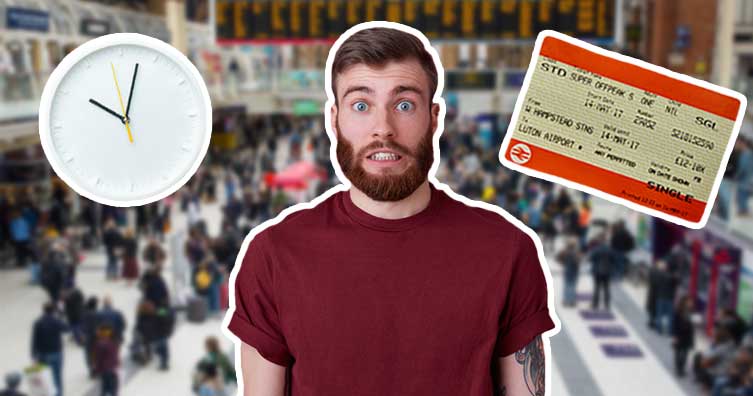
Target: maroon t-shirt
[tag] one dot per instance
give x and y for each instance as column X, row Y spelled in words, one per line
column 360, row 305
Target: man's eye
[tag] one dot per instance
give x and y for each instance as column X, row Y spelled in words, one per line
column 405, row 106
column 360, row 106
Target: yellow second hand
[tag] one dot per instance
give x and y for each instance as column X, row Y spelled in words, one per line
column 120, row 98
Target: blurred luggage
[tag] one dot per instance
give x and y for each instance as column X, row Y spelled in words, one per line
column 197, row 309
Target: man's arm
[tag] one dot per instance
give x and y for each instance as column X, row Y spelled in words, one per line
column 522, row 373
column 260, row 376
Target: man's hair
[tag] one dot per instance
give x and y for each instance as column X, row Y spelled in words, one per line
column 376, row 47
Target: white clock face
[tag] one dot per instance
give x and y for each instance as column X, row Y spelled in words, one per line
column 125, row 119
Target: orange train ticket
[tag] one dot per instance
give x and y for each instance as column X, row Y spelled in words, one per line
column 622, row 129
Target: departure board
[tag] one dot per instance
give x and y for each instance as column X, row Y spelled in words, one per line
column 301, row 20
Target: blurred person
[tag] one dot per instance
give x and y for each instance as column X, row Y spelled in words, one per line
column 665, row 284
column 153, row 286
column 622, row 243
column 733, row 374
column 21, row 235
column 107, row 359
column 206, row 280
column 712, row 363
column 602, row 267
column 219, row 359
column 731, row 320
column 154, row 254
column 570, row 258
column 145, row 332
column 53, row 272
column 744, row 176
column 111, row 318
column 683, row 334
column 232, row 210
column 196, row 247
column 89, row 332
column 157, row 318
column 395, row 229
column 12, row 382
column 73, row 251
column 113, row 240
column 584, row 220
column 47, row 343
column 207, row 381
column 73, row 303
column 130, row 256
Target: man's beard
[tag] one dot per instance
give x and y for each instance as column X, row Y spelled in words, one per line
column 387, row 186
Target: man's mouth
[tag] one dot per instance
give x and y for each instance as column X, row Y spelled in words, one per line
column 384, row 156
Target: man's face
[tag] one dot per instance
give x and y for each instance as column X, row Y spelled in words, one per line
column 384, row 122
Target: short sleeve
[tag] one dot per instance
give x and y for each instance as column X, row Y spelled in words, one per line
column 525, row 314
column 255, row 320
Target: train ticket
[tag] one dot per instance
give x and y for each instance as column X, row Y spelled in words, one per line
column 622, row 129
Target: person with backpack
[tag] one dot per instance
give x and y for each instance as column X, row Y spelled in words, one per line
column 107, row 359
column 109, row 317
column 206, row 282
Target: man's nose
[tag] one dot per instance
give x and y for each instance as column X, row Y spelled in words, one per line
column 384, row 126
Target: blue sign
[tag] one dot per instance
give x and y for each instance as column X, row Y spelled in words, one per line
column 596, row 315
column 26, row 19
column 608, row 331
column 621, row 351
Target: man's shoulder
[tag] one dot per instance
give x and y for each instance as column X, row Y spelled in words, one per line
column 481, row 216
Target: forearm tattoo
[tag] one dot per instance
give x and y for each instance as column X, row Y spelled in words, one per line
column 531, row 357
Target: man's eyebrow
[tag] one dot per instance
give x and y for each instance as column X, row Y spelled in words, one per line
column 358, row 88
column 403, row 88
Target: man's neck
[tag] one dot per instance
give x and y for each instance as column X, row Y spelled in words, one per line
column 393, row 210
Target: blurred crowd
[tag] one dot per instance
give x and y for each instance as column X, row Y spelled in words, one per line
column 49, row 239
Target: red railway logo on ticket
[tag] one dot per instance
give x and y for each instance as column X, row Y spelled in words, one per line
column 622, row 129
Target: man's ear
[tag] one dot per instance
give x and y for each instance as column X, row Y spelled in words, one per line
column 434, row 117
column 333, row 119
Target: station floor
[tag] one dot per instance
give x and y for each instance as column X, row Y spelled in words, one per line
column 594, row 354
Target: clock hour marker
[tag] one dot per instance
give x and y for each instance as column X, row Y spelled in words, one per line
column 131, row 186
column 67, row 158
column 185, row 147
column 120, row 51
column 156, row 58
column 98, row 181
column 182, row 81
column 192, row 115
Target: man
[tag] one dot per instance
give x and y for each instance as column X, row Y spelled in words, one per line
column 47, row 343
column 602, row 264
column 111, row 318
column 112, row 240
column 391, row 287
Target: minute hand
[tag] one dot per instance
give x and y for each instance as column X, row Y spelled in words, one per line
column 130, row 93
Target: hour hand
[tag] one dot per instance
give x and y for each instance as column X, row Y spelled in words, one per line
column 107, row 109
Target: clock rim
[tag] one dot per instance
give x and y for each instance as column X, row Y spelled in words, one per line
column 71, row 60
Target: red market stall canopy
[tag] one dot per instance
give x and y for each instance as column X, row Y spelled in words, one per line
column 296, row 176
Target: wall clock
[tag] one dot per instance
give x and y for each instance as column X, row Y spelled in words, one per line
column 125, row 119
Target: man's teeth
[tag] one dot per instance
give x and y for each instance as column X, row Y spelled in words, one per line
column 385, row 157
